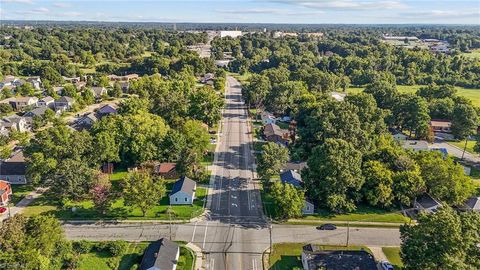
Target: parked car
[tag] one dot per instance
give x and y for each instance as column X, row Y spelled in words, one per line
column 327, row 227
column 3, row 210
column 386, row 265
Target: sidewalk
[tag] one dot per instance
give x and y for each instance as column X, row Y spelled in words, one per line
column 341, row 222
column 198, row 256
column 18, row 208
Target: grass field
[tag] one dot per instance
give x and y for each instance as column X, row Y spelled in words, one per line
column 287, row 256
column 474, row 54
column 48, row 204
column 96, row 260
column 393, row 256
column 20, row 191
column 461, row 145
column 472, row 94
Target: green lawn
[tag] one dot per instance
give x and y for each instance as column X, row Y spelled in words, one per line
column 20, row 191
column 393, row 256
column 474, row 54
column 472, row 94
column 363, row 213
column 461, row 145
column 241, row 78
column 99, row 260
column 288, row 255
column 47, row 204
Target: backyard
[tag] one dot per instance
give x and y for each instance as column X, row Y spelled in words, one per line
column 48, row 203
column 100, row 260
column 288, row 255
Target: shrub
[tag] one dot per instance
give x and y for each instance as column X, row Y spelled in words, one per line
column 82, row 246
column 116, row 248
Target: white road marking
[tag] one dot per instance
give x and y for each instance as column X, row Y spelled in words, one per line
column 194, row 229
column 205, row 235
column 212, row 264
column 234, row 204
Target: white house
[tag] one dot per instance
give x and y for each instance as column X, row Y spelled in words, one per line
column 308, row 208
column 47, row 101
column 183, row 191
column 267, row 118
column 233, row 34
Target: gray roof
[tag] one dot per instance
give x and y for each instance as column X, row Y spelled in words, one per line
column 47, row 99
column 473, row 203
column 338, row 259
column 272, row 129
column 295, row 165
column 292, row 178
column 65, row 99
column 427, row 201
column 185, row 185
column 15, row 165
column 161, row 255
column 36, row 112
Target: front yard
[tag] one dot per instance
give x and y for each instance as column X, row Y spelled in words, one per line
column 20, row 191
column 48, row 204
column 287, row 256
column 393, row 256
column 101, row 260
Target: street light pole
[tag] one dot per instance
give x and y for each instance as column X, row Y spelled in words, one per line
column 348, row 232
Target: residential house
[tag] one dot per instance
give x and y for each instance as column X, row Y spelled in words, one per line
column 58, row 90
column 71, row 79
column 15, row 123
column 183, row 191
column 13, row 169
column 80, row 85
column 64, row 103
column 314, row 258
column 5, row 193
column 18, row 82
column 274, row 133
column 162, row 254
column 207, row 77
column 87, row 120
column 415, row 145
column 127, row 77
column 7, row 81
column 441, row 125
column 291, row 177
column 47, row 101
column 338, row 96
column 125, row 86
column 296, row 166
column 267, row 118
column 426, row 203
column 39, row 112
column 106, row 110
column 167, row 170
column 308, row 208
column 20, row 103
column 36, row 82
column 472, row 204
column 99, row 91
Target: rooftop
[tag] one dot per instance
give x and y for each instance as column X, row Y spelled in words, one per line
column 184, row 184
column 338, row 259
column 161, row 254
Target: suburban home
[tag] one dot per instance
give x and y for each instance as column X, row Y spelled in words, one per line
column 308, row 208
column 13, row 169
column 71, row 79
column 56, row 89
column 125, row 86
column 127, row 77
column 267, row 118
column 15, row 123
column 7, row 81
column 296, row 166
column 106, row 110
column 472, row 204
column 183, row 191
column 87, row 120
column 426, row 203
column 39, row 111
column 99, row 91
column 18, row 82
column 47, row 101
column 291, row 177
column 314, row 258
column 5, row 192
column 441, row 125
column 415, row 145
column 162, row 254
column 20, row 103
column 64, row 103
column 167, row 170
column 80, row 85
column 36, row 82
column 208, row 77
column 274, row 133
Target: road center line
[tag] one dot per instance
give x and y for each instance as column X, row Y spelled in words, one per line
column 205, row 235
column 194, row 230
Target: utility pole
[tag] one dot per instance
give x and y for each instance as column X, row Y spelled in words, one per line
column 465, row 147
column 348, row 232
column 170, row 222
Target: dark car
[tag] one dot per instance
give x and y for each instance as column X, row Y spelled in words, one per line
column 327, row 227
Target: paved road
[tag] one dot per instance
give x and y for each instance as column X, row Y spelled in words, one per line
column 455, row 151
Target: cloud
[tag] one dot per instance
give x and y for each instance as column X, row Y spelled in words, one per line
column 269, row 11
column 346, row 4
column 437, row 14
column 61, row 5
column 18, row 1
column 40, row 10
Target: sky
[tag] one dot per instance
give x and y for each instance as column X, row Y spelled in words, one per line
column 248, row 11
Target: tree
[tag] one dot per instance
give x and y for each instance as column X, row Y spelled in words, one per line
column 378, row 184
column 271, row 161
column 142, row 191
column 407, row 185
column 444, row 241
column 444, row 178
column 257, row 90
column 196, row 136
column 411, row 112
column 464, row 120
column 39, row 166
column 117, row 90
column 134, row 106
column 334, row 176
column 206, row 105
column 72, row 179
column 101, row 193
column 283, row 97
column 288, row 200
column 384, row 92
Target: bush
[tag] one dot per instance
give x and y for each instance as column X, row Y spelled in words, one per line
column 116, row 248
column 82, row 246
column 113, row 263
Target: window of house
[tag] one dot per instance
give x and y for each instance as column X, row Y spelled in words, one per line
column 186, row 199
column 176, row 199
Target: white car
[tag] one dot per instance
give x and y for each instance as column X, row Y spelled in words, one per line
column 386, row 265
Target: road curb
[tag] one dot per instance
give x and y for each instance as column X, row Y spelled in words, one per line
column 198, row 255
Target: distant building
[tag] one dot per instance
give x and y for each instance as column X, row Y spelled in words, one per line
column 274, row 133
column 167, row 170
column 37, row 112
column 16, row 123
column 338, row 96
column 106, row 110
column 87, row 120
column 440, row 125
column 183, row 191
column 162, row 254
column 5, row 193
column 99, row 91
column 47, row 101
column 126, row 78
column 13, row 169
column 232, row 34
column 313, row 258
column 426, row 203
column 267, row 118
column 21, row 103
column 399, row 38
column 296, row 166
column 64, row 103
column 36, row 82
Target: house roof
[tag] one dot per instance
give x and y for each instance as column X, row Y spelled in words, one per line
column 426, row 201
column 165, row 167
column 47, row 99
column 440, row 123
column 295, row 165
column 4, row 186
column 15, row 165
column 161, row 255
column 291, row 177
column 107, row 109
column 272, row 129
column 37, row 111
column 473, row 203
column 338, row 259
column 185, row 185
column 65, row 99
column 25, row 99
column 99, row 90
